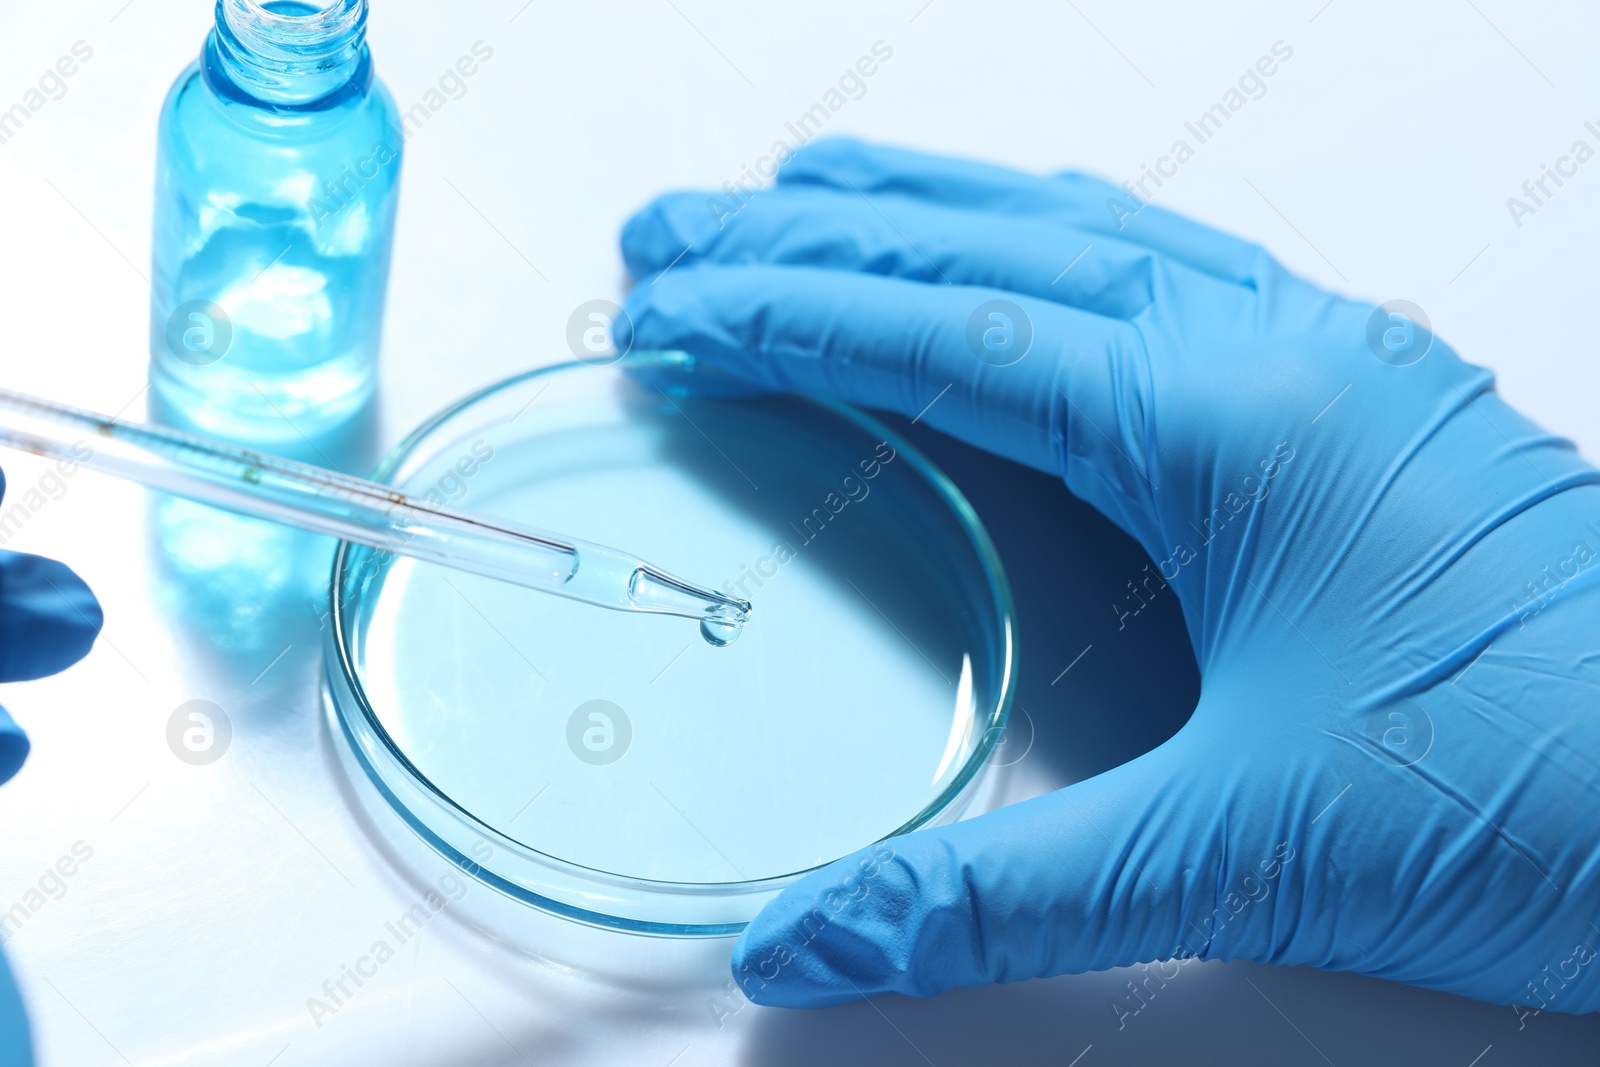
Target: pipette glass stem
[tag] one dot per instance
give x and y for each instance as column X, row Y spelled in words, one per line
column 311, row 498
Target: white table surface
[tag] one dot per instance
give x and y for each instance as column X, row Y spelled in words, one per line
column 219, row 898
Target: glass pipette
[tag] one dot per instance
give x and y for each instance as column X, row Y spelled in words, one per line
column 298, row 494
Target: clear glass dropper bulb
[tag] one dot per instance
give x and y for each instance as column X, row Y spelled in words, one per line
column 298, row 494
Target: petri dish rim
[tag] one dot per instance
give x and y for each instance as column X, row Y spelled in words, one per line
column 365, row 728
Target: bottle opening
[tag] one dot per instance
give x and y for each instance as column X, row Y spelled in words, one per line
column 290, row 52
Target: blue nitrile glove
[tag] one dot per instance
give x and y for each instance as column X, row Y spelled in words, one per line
column 1389, row 578
column 48, row 621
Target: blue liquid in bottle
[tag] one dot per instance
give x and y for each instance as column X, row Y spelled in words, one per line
column 276, row 183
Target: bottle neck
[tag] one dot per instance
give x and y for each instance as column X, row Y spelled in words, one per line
column 289, row 54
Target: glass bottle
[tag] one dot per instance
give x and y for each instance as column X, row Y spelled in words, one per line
column 276, row 181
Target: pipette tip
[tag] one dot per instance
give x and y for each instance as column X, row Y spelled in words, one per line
column 724, row 626
column 722, row 618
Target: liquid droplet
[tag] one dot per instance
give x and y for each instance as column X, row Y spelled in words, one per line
column 718, row 633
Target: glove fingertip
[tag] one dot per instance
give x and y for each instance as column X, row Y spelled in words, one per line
column 622, row 332
column 840, row 934
column 636, row 240
column 772, row 972
column 822, row 157
column 664, row 311
column 14, row 746
column 51, row 617
column 73, row 632
column 1084, row 182
column 667, row 230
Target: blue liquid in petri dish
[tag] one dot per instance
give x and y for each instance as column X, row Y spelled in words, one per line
column 874, row 663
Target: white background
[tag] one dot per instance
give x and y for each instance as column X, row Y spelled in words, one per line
column 218, row 899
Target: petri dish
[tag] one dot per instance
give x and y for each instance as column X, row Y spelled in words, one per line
column 616, row 768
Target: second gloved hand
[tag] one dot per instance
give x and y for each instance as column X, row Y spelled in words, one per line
column 48, row 621
column 1388, row 575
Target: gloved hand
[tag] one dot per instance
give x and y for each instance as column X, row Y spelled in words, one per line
column 1389, row 578
column 48, row 621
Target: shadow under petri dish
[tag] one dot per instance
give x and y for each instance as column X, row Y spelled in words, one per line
column 859, row 701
